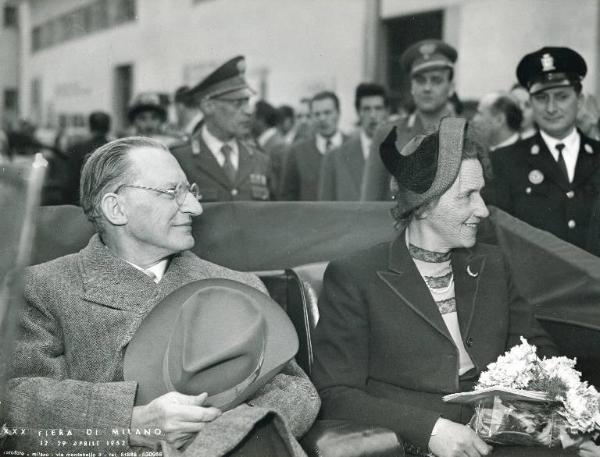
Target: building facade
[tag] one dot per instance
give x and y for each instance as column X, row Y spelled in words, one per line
column 76, row 56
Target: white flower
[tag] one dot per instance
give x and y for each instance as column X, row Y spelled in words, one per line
column 564, row 369
column 582, row 409
column 512, row 370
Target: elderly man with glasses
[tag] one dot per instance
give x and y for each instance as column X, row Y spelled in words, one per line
column 83, row 309
column 218, row 156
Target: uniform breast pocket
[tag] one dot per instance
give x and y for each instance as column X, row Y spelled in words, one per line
column 208, row 195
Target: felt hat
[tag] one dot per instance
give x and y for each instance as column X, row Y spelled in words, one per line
column 551, row 67
column 215, row 335
column 427, row 165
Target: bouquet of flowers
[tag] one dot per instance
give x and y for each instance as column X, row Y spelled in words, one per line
column 524, row 400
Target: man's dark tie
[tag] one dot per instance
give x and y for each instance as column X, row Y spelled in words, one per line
column 228, row 167
column 561, row 161
column 328, row 144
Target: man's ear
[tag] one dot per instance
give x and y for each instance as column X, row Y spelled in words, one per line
column 113, row 209
column 452, row 89
column 206, row 106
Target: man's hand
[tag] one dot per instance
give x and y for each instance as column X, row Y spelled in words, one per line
column 178, row 416
column 456, row 440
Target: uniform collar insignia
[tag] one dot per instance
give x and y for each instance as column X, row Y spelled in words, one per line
column 535, row 149
column 588, row 148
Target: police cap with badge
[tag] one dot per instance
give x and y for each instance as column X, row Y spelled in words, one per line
column 428, row 55
column 551, row 67
column 226, row 82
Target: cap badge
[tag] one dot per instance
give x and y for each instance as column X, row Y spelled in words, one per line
column 588, row 148
column 427, row 50
column 536, row 177
column 547, row 62
column 535, row 150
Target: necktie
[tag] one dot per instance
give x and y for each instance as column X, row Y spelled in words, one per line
column 328, row 145
column 228, row 167
column 561, row 161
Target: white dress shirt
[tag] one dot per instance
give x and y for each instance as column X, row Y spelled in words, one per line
column 335, row 142
column 365, row 143
column 215, row 145
column 570, row 152
column 156, row 271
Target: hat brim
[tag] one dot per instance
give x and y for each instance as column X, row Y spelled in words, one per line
column 135, row 110
column 235, row 94
column 143, row 361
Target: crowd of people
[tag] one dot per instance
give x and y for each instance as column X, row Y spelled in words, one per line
column 401, row 323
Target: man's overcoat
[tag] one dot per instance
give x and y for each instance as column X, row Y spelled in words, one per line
column 82, row 310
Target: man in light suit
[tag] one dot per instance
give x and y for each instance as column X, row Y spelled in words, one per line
column 83, row 309
column 407, row 321
column 225, row 166
column 342, row 169
column 302, row 165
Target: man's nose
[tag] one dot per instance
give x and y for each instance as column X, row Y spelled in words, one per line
column 551, row 105
column 191, row 206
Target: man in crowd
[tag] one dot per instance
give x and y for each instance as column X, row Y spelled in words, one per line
column 189, row 117
column 521, row 96
column 342, row 169
column 551, row 180
column 430, row 64
column 286, row 124
column 99, row 125
column 83, row 309
column 146, row 115
column 498, row 120
column 264, row 127
column 405, row 322
column 303, row 128
column 302, row 165
column 217, row 157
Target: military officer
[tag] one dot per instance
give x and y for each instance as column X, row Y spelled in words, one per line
column 551, row 180
column 216, row 157
column 430, row 64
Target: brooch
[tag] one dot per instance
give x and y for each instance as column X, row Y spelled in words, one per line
column 536, row 177
column 470, row 273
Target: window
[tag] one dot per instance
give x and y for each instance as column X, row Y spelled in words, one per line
column 10, row 16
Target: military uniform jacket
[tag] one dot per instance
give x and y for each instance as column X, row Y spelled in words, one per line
column 382, row 350
column 529, row 185
column 341, row 172
column 82, row 310
column 252, row 181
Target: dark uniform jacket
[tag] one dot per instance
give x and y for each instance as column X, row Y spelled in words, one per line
column 341, row 172
column 200, row 166
column 383, row 354
column 302, row 170
column 529, row 185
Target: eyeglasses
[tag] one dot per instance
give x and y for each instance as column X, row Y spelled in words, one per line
column 178, row 194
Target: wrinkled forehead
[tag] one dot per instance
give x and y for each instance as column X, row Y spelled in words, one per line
column 154, row 165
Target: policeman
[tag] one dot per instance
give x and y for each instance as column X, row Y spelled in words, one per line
column 216, row 157
column 552, row 179
column 430, row 64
